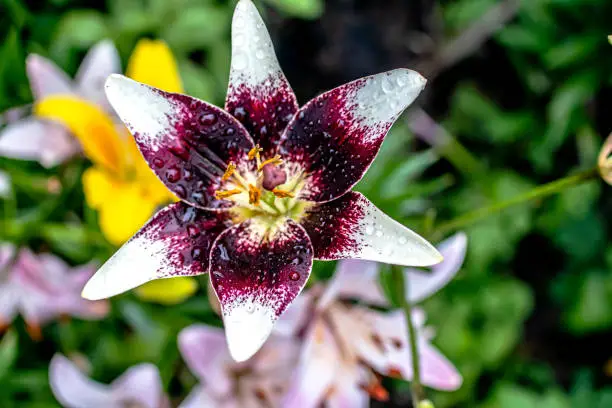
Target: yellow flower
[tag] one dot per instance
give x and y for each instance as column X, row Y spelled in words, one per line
column 120, row 185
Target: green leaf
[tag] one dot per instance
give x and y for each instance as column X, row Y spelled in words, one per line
column 196, row 27
column 309, row 9
column 8, row 353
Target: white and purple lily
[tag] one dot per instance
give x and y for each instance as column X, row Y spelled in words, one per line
column 139, row 387
column 264, row 185
column 348, row 346
column 258, row 383
column 41, row 288
column 45, row 141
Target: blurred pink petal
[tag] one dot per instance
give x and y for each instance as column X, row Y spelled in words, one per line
column 101, row 61
column 354, row 279
column 46, row 78
column 436, row 370
column 258, row 383
column 421, row 285
column 35, row 139
column 43, row 288
column 139, row 386
column 297, row 314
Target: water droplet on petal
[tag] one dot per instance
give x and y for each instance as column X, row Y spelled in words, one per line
column 387, row 85
column 208, row 119
column 157, row 162
column 196, row 253
column 250, row 308
column 173, row 175
column 294, row 276
column 259, row 54
column 193, row 231
column 369, row 230
column 403, row 240
column 239, row 62
column 218, row 274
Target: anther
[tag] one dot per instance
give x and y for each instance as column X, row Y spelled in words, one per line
column 254, row 152
column 282, row 193
column 254, row 195
column 276, row 160
column 222, row 194
column 231, row 167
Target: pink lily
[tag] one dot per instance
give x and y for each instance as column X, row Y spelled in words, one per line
column 140, row 386
column 47, row 142
column 42, row 288
column 259, row 383
column 265, row 186
column 347, row 346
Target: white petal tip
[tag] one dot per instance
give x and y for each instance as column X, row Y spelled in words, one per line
column 247, row 327
column 114, row 80
column 93, row 291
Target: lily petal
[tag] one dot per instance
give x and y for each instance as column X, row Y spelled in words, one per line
column 335, row 137
column 187, row 142
column 352, row 227
column 33, row 139
column 256, row 276
column 46, row 78
column 204, row 349
column 317, row 370
column 73, row 389
column 140, row 385
column 436, row 370
column 259, row 95
column 101, row 61
column 420, row 284
column 199, row 397
column 354, row 279
column 175, row 242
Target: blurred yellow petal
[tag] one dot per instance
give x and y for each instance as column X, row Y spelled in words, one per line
column 98, row 186
column 95, row 130
column 153, row 63
column 169, row 291
column 124, row 212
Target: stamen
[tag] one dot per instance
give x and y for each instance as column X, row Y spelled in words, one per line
column 282, row 193
column 231, row 167
column 223, row 194
column 276, row 160
column 254, row 195
column 254, row 152
column 375, row 390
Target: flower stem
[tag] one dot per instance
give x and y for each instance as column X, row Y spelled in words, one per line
column 401, row 295
column 539, row 192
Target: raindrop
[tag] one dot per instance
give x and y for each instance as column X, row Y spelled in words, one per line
column 239, row 62
column 387, row 85
column 369, row 230
column 196, row 253
column 180, row 191
column 259, row 54
column 403, row 240
column 240, row 113
column 197, row 196
column 193, row 231
column 294, row 276
column 296, row 261
column 250, row 308
column 230, row 131
column 157, row 162
column 401, row 80
column 379, row 233
column 173, row 175
column 218, row 275
column 187, row 175
column 208, row 119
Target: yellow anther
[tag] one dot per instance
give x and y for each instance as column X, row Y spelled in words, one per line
column 276, row 160
column 222, row 194
column 229, row 171
column 254, row 152
column 282, row 193
column 254, row 195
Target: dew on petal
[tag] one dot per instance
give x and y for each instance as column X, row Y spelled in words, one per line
column 294, row 276
column 173, row 175
column 208, row 119
column 157, row 162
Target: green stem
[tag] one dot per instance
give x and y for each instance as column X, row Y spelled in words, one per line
column 539, row 192
column 401, row 295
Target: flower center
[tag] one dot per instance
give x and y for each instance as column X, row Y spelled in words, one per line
column 265, row 194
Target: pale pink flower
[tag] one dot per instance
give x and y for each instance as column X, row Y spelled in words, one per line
column 258, row 383
column 50, row 143
column 348, row 346
column 139, row 387
column 42, row 288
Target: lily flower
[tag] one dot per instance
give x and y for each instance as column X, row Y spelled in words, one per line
column 140, row 386
column 259, row 383
column 42, row 288
column 264, row 186
column 347, row 347
column 48, row 142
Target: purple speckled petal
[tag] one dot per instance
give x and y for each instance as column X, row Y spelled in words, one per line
column 256, row 277
column 352, row 227
column 46, row 78
column 187, row 142
column 335, row 137
column 259, row 95
column 175, row 242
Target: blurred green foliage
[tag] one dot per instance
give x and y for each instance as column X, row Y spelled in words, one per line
column 538, row 110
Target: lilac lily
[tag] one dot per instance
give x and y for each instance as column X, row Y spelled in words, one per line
column 259, row 383
column 47, row 142
column 348, row 346
column 140, row 386
column 264, row 185
column 42, row 288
